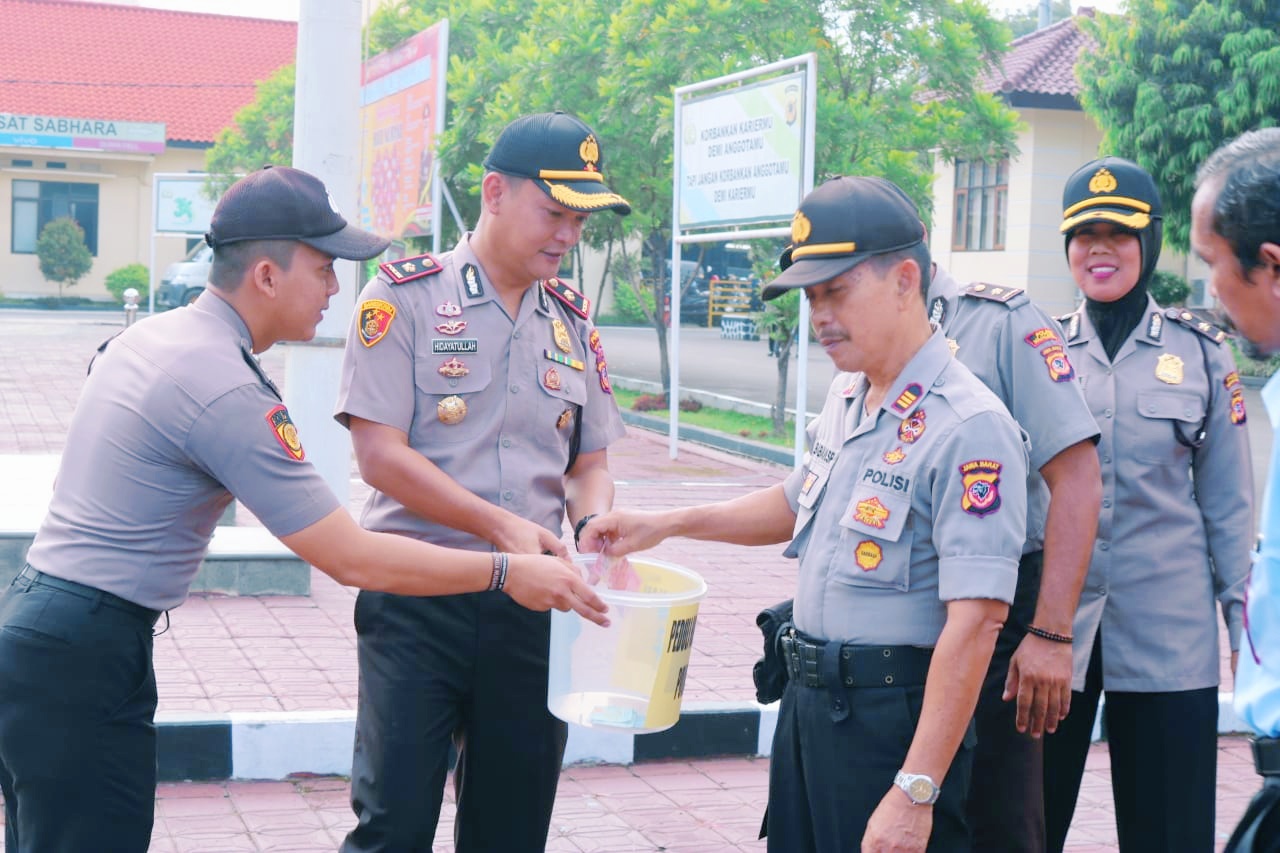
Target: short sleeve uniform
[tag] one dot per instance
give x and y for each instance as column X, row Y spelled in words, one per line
column 1176, row 525
column 899, row 511
column 489, row 399
column 175, row 418
column 1017, row 351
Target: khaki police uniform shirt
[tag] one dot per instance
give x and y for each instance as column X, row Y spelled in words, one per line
column 1176, row 527
column 175, row 417
column 899, row 511
column 446, row 338
column 1017, row 351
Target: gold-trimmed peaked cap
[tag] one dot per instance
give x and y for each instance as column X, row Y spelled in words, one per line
column 1111, row 189
column 562, row 155
column 841, row 224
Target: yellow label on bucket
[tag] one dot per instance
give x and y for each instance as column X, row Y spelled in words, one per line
column 673, row 667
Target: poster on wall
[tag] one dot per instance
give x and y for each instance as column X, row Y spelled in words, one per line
column 401, row 108
column 741, row 157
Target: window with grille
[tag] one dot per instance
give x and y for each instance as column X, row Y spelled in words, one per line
column 981, row 205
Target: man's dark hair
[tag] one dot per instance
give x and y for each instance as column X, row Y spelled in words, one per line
column 1246, row 212
column 918, row 253
column 232, row 261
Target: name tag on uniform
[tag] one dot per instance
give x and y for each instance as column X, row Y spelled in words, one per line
column 453, row 345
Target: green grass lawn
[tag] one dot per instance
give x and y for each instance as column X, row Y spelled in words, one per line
column 738, row 424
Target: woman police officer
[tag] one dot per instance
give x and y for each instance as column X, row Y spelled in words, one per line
column 1174, row 531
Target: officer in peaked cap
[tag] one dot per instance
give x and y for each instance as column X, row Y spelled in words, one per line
column 907, row 518
column 477, row 393
column 175, row 418
column 1174, row 531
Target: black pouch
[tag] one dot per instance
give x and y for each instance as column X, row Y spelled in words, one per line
column 770, row 672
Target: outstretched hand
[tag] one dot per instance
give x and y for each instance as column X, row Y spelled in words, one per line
column 544, row 582
column 622, row 532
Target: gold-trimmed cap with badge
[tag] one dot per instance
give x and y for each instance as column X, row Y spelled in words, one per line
column 841, row 224
column 1120, row 192
column 563, row 157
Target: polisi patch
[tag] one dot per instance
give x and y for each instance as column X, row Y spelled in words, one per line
column 375, row 320
column 286, row 433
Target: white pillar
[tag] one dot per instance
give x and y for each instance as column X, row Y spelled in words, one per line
column 326, row 143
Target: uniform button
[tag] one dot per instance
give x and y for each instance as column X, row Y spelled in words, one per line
column 1106, row 460
column 1105, row 546
column 838, row 704
column 515, row 389
column 1106, row 413
column 1108, row 371
column 507, row 495
column 1106, row 502
column 845, row 654
column 1186, row 413
column 1151, row 410
column 453, row 383
column 888, row 679
column 506, row 442
column 516, row 335
column 848, row 681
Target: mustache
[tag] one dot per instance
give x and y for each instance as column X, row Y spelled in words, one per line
column 1247, row 348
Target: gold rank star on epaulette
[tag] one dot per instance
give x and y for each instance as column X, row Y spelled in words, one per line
column 994, row 292
column 1185, row 318
column 576, row 302
column 410, row 269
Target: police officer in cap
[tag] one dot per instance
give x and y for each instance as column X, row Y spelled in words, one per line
column 1174, row 531
column 1235, row 229
column 907, row 517
column 477, row 394
column 176, row 418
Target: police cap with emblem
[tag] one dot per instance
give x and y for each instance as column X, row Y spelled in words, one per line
column 841, row 224
column 1119, row 192
column 281, row 203
column 562, row 156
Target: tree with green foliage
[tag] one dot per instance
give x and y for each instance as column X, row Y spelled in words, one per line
column 261, row 133
column 1027, row 19
column 1174, row 79
column 64, row 257
column 1168, row 289
column 132, row 275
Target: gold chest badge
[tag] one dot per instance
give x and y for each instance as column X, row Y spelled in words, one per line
column 451, row 410
column 561, row 335
column 1169, row 369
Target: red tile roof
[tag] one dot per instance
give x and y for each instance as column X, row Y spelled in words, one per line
column 1042, row 62
column 89, row 60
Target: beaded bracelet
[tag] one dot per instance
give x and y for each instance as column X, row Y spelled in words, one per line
column 1049, row 635
column 499, row 577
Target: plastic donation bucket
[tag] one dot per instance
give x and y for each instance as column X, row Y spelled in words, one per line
column 630, row 675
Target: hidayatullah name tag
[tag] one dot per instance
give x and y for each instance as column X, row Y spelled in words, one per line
column 454, row 345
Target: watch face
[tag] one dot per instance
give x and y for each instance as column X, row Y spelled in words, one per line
column 920, row 789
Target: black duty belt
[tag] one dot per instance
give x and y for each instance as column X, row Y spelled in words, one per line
column 91, row 593
column 857, row 666
column 1266, row 756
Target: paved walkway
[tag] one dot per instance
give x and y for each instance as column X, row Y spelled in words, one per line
column 297, row 654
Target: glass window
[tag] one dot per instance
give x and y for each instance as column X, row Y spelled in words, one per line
column 981, row 205
column 37, row 203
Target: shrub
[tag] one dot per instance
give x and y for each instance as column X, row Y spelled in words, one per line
column 690, row 405
column 1167, row 289
column 650, row 403
column 133, row 275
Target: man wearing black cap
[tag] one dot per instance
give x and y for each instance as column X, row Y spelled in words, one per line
column 907, row 518
column 1235, row 229
column 478, row 399
column 175, row 419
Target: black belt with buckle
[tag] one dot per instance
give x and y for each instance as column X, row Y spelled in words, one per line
column 1266, row 756
column 859, row 666
column 91, row 593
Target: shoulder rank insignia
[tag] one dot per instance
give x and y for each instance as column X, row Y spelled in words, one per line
column 577, row 303
column 1195, row 324
column 993, row 292
column 1070, row 324
column 408, row 269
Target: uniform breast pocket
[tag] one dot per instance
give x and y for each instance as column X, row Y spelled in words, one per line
column 449, row 395
column 1165, row 416
column 875, row 541
column 563, row 390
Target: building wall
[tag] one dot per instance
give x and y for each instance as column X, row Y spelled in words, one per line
column 125, row 218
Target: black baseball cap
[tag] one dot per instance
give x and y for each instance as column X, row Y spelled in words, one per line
column 282, row 203
column 841, row 224
column 1111, row 189
column 562, row 155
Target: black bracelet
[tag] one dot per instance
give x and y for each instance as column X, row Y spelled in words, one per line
column 582, row 522
column 1049, row 635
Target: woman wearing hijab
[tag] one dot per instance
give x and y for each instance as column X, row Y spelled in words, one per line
column 1174, row 531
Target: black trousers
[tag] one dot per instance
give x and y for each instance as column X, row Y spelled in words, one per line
column 1006, row 811
column 77, row 710
column 835, row 753
column 470, row 670
column 1259, row 827
column 1164, row 764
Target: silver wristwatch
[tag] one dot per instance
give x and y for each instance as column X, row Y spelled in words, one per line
column 922, row 790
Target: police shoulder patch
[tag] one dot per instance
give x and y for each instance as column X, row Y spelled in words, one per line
column 994, row 292
column 410, row 269
column 576, row 302
column 286, row 433
column 1183, row 317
